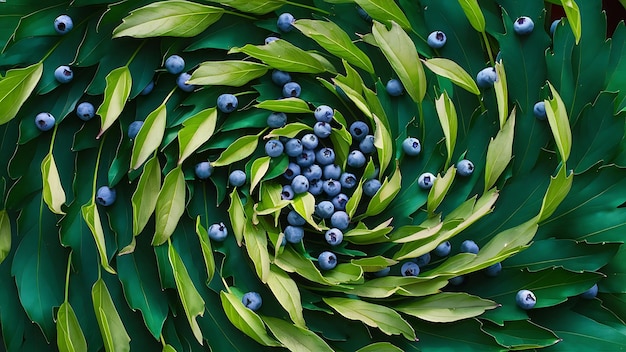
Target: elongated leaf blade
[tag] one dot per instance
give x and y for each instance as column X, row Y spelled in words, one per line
column 144, row 200
column 70, row 337
column 257, row 7
column 258, row 170
column 116, row 92
column 383, row 144
column 111, row 326
column 502, row 93
column 557, row 191
column 245, row 319
column 237, row 215
column 499, row 152
column 282, row 55
column 296, row 338
column 447, row 307
column 286, row 291
column 207, row 251
column 149, row 137
column 16, row 86
column 559, row 123
column 53, row 193
column 227, row 73
column 256, row 245
column 195, row 132
column 240, row 149
column 573, row 17
column 454, row 72
column 288, row 105
column 387, row 192
column 385, row 11
column 5, row 235
column 170, row 205
column 439, row 190
column 92, row 218
column 474, row 14
column 449, row 122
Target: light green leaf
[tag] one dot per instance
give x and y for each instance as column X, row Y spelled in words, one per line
column 168, row 348
column 447, row 307
column 196, row 131
column 342, row 140
column 304, row 204
column 373, row 264
column 385, row 11
column 362, row 235
column 559, row 123
column 293, row 262
column 70, row 337
column 145, row 197
column 53, row 193
column 282, row 55
column 207, row 251
column 380, row 347
column 288, row 105
column 454, row 72
column 271, row 199
column 245, row 319
column 557, row 191
column 391, row 285
column 256, row 246
column 383, row 144
column 112, row 328
column 258, row 170
column 448, row 119
column 149, row 137
column 505, row 244
column 473, row 14
column 502, row 94
column 5, row 235
column 116, row 92
column 337, row 42
column 374, row 315
column 240, row 149
column 290, row 130
column 232, row 73
column 287, row 293
column 257, row 7
column 573, row 17
column 296, row 338
column 92, row 218
column 411, row 233
column 237, row 215
column 193, row 303
column 15, row 87
column 355, row 199
column 387, row 192
column 401, row 53
column 173, row 18
column 170, row 205
column 499, row 152
column 355, row 96
column 439, row 190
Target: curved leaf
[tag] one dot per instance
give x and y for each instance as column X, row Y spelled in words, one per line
column 149, row 137
column 227, row 73
column 53, row 193
column 287, row 293
column 117, row 91
column 573, row 17
column 111, row 326
column 196, row 131
column 15, row 87
column 387, row 192
column 207, row 251
column 258, row 170
column 296, row 338
column 502, row 94
column 440, row 188
column 293, row 105
column 257, row 7
column 237, row 216
column 474, row 14
column 282, row 55
column 559, row 123
column 240, row 149
column 499, row 152
column 70, row 337
column 557, row 191
column 383, row 144
column 449, row 122
column 447, row 307
column 92, row 218
column 454, row 72
column 290, row 130
column 5, row 235
column 170, row 205
column 144, row 200
column 245, row 319
column 385, row 11
column 256, row 245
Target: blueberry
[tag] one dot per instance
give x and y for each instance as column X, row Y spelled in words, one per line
column 347, row 180
column 423, row 260
column 356, row 159
column 105, row 196
column 411, row 146
column 316, row 187
column 218, row 232
column 322, row 129
column 63, row 74
column 334, row 236
column 270, row 39
column 227, row 103
column 382, row 272
column 457, row 280
column 44, row 121
column 332, row 171
column 277, row 120
column 63, row 24
column 523, row 25
column 469, row 246
column 252, row 301
column 436, row 39
column 325, row 156
column 237, row 178
column 175, row 64
column 443, row 249
column 285, row 22
column 181, row 81
column 287, row 192
column 591, row 293
column 553, row 26
column 292, row 171
column 280, row 78
column 539, row 110
column 426, row 180
column 339, row 201
column 291, row 90
column 274, row 148
column 486, row 77
column 327, row 260
column 133, row 129
column 294, row 234
column 147, row 89
column 367, row 144
column 300, row 184
column 332, row 187
column 324, row 113
column 295, row 219
column 324, row 209
column 85, row 111
column 371, row 186
column 358, row 130
column 340, row 220
column 307, row 158
column 203, row 170
column 493, row 270
column 364, row 15
column 410, row 269
column 310, row 141
column 312, row 173
column 293, row 147
column 394, row 88
column 464, row 168
column 525, row 299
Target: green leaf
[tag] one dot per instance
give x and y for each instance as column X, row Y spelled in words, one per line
column 145, row 197
column 240, row 149
column 573, row 17
column 15, row 87
column 193, row 303
column 294, row 337
column 400, row 51
column 256, row 246
column 257, row 7
column 282, row 55
column 290, row 130
column 502, row 93
column 70, row 337
column 362, row 235
column 454, row 72
column 258, row 170
column 92, row 218
column 499, row 152
column 170, row 205
column 288, row 105
column 304, row 204
column 149, row 137
column 380, row 347
column 112, row 328
column 374, row 315
column 390, row 285
column 559, row 123
column 207, row 252
column 337, row 42
column 385, row 11
column 117, row 91
column 168, row 348
column 412, row 233
column 287, row 293
column 174, row 18
column 195, row 132
column 237, row 215
column 556, row 193
column 231, row 73
column 439, row 190
column 521, row 335
column 387, row 192
column 449, row 123
column 383, row 144
column 473, row 14
column 446, row 307
column 245, row 319
column 53, row 193
column 355, row 96
column 5, row 235
column 373, row 264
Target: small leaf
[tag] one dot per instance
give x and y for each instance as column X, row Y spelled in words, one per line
column 557, row 191
column 573, row 17
column 193, row 303
column 112, row 328
column 53, row 193
column 287, row 293
column 447, row 307
column 374, row 315
column 240, row 149
column 173, row 18
column 256, row 246
column 231, row 73
column 257, row 7
column 290, row 130
column 70, row 337
column 342, row 140
column 304, row 204
column 388, row 286
column 502, row 94
column 170, row 205
column 383, row 144
column 373, row 264
column 15, row 87
column 168, row 348
column 439, row 190
column 145, row 197
column 401, row 53
column 385, row 11
column 5, row 235
column 559, row 123
column 473, row 14
column 387, row 192
column 196, row 131
column 449, row 123
column 117, row 91
column 454, row 72
column 237, row 216
column 362, row 235
column 337, row 42
column 207, row 252
column 245, row 319
column 499, row 152
column 411, row 233
column 149, row 137
column 296, row 338
column 380, row 347
column 92, row 218
column 288, row 105
column 355, row 96
column 282, row 55
column 258, row 170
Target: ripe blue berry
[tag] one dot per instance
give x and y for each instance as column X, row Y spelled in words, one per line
column 486, row 77
column 322, row 129
column 327, row 260
column 203, row 170
column 295, row 219
column 325, row 156
column 367, row 144
column 105, row 196
column 63, row 24
column 218, row 232
column 348, row 180
column 426, row 180
column 410, row 269
column 270, row 39
column 147, row 89
column 339, row 201
column 340, row 220
column 436, row 39
column 394, row 88
column 324, row 113
column 294, row 234
column 356, row 159
column 227, row 103
column 553, row 26
column 252, row 301
column 237, row 178
column 175, row 64
column 292, row 171
column 332, row 171
column 85, row 111
column 300, row 184
column 291, row 90
column 358, row 130
column 63, row 74
column 423, row 260
column 316, row 187
column 411, row 146
column 307, row 158
column 287, row 193
column 181, row 82
column 371, row 186
column 469, row 246
column 443, row 249
column 525, row 299
column 277, row 119
column 523, row 25
column 493, row 270
column 310, row 141
column 591, row 293
column 332, row 187
column 324, row 209
column 334, row 237
column 293, row 147
column 457, row 280
column 280, row 78
column 364, row 15
column 44, row 121
column 274, row 148
column 382, row 272
column 312, row 173
column 133, row 129
column 464, row 168
column 285, row 22
column 539, row 110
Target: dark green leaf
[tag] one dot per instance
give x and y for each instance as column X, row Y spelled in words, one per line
column 5, row 235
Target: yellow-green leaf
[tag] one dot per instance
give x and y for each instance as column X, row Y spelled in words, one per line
column 116, row 92
column 387, row 192
column 385, row 11
column 499, row 152
column 15, row 88
column 237, row 215
column 559, row 123
column 240, row 149
column 112, row 328
column 196, row 131
column 557, row 191
column 383, row 144
column 454, row 72
column 572, row 12
column 245, row 319
column 290, row 130
column 447, row 307
column 144, row 198
column 439, row 190
column 70, row 337
column 473, row 14
column 232, row 73
column 149, row 137
column 304, row 204
column 258, row 170
column 92, row 218
column 257, row 7
column 53, row 193
column 170, row 205
column 256, row 246
column 282, row 55
column 207, row 251
column 287, row 293
column 380, row 347
column 288, row 105
column 502, row 94
column 449, row 123
column 5, row 235
column 296, row 338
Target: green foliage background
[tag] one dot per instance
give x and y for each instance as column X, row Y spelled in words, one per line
column 546, row 198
